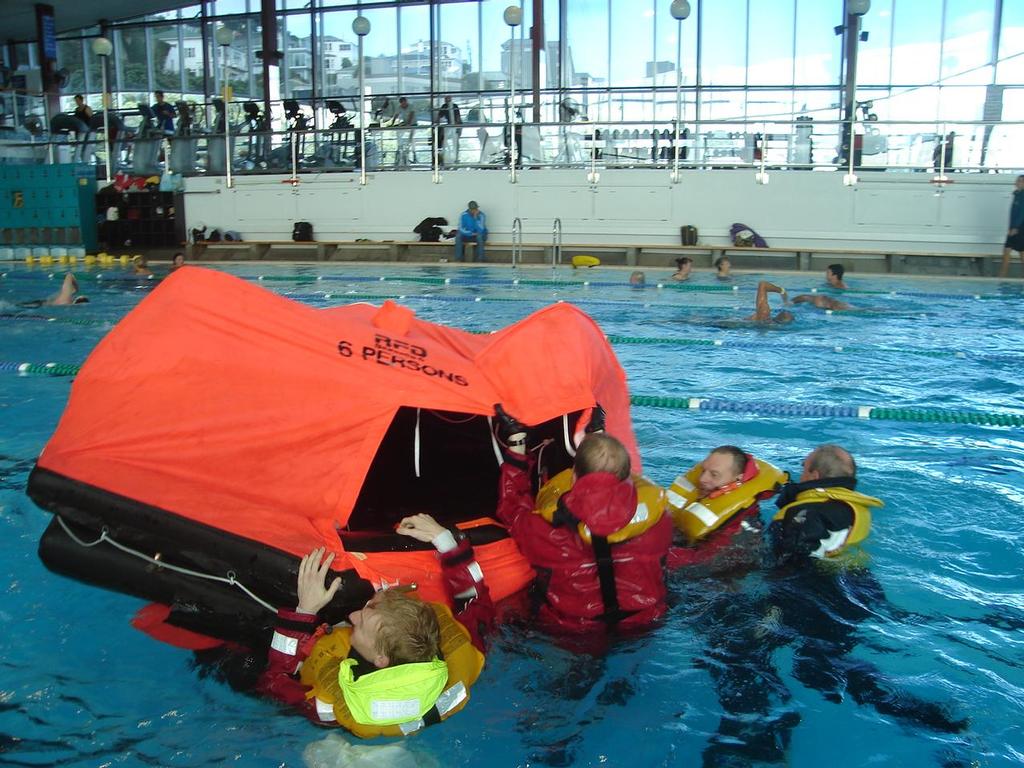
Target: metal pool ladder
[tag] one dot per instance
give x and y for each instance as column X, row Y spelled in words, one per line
column 517, row 241
column 556, row 242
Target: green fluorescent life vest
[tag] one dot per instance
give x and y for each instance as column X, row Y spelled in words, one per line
column 392, row 695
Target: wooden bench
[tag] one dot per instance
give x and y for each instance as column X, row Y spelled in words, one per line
column 895, row 260
column 650, row 255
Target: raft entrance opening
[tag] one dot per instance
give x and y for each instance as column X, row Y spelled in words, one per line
column 457, row 477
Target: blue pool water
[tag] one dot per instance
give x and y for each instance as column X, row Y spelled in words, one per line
column 794, row 669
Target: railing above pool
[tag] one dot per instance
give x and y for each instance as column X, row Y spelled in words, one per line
column 756, row 145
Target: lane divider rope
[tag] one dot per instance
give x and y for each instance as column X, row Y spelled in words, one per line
column 757, row 407
column 558, row 282
column 764, row 408
column 678, row 342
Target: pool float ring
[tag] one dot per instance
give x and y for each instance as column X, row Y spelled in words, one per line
column 582, row 260
column 697, row 517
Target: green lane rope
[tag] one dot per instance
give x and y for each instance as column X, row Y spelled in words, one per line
column 44, row 369
column 811, row 410
column 855, row 349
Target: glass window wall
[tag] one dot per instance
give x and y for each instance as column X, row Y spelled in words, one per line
column 874, row 55
column 1010, row 69
column 606, row 60
column 916, row 42
column 586, row 62
column 770, row 58
column 723, row 30
column 457, row 63
column 817, row 49
column 967, row 41
column 414, row 55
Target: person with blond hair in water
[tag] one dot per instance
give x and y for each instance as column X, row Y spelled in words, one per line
column 401, row 663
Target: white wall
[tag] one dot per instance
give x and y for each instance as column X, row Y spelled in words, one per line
column 637, row 205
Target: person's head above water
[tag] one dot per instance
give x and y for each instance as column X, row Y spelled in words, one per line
column 600, row 452
column 834, row 275
column 637, row 278
column 393, row 628
column 683, row 265
column 828, row 460
column 723, row 466
column 723, row 265
column 783, row 316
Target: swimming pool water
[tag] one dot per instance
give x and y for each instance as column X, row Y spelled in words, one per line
column 779, row 664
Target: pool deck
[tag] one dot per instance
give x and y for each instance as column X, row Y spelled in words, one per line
column 651, row 256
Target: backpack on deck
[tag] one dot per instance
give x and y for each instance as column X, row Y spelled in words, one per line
column 746, row 237
column 688, row 234
column 302, row 232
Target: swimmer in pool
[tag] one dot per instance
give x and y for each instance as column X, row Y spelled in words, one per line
column 684, row 265
column 66, row 296
column 834, row 276
column 763, row 311
column 821, row 302
column 140, row 266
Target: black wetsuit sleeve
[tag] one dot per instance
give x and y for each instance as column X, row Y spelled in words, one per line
column 803, row 528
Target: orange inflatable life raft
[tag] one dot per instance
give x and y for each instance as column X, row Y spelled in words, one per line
column 224, row 430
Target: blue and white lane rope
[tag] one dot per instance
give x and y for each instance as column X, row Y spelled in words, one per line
column 535, row 282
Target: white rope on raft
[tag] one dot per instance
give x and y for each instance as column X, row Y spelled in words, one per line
column 105, row 537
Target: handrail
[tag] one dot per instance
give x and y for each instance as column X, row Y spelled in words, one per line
column 887, row 145
column 556, row 242
column 517, row 241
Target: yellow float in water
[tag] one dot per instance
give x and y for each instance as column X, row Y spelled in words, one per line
column 582, row 260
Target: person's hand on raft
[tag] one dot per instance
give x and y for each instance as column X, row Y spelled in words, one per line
column 312, row 593
column 421, row 527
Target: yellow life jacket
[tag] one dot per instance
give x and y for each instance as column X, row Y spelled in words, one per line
column 860, row 504
column 325, row 673
column 650, row 506
column 697, row 517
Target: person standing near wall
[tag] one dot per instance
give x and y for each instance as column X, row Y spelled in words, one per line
column 164, row 113
column 405, row 117
column 449, row 113
column 1015, row 237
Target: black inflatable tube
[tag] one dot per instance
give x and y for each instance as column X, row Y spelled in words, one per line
column 202, row 606
column 267, row 572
